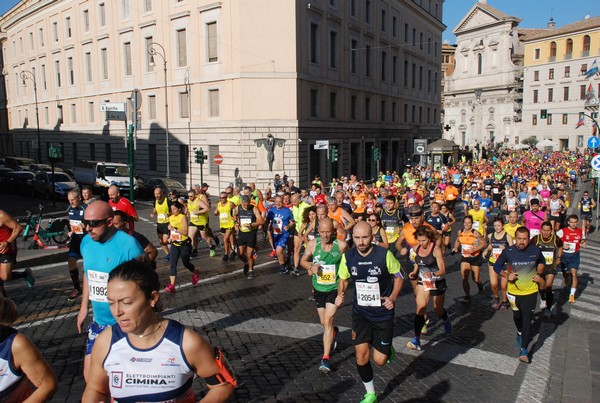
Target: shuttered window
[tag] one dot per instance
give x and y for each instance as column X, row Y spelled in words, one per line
column 181, row 48
column 211, row 30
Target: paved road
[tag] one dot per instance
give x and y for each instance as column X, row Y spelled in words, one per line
column 269, row 330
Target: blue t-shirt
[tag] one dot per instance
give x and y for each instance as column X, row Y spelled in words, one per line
column 280, row 218
column 99, row 259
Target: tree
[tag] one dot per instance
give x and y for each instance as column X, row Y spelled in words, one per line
column 530, row 141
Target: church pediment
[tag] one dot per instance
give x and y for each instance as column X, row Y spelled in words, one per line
column 482, row 15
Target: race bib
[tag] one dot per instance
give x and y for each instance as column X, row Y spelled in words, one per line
column 428, row 280
column 368, row 294
column 476, row 225
column 586, row 209
column 76, row 226
column 277, row 225
column 223, row 218
column 555, row 213
column 358, row 203
column 161, row 218
column 496, row 252
column 512, row 300
column 569, row 247
column 390, row 232
column 175, row 236
column 466, row 249
column 311, row 237
column 548, row 257
column 533, row 232
column 495, row 190
column 245, row 223
column 412, row 255
column 194, row 217
column 512, row 208
column 98, row 285
column 327, row 276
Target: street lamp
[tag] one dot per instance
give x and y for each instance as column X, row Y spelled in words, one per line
column 152, row 51
column 188, row 91
column 26, row 74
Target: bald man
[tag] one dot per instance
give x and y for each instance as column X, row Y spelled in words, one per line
column 322, row 261
column 103, row 249
column 118, row 202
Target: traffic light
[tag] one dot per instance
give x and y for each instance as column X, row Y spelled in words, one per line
column 543, row 113
column 55, row 153
column 333, row 154
column 200, row 156
column 376, row 154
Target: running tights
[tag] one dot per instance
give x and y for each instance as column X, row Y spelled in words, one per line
column 183, row 251
column 524, row 315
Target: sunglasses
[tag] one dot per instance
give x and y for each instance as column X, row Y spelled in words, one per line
column 94, row 223
column 371, row 220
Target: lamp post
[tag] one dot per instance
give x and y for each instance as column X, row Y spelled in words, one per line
column 26, row 74
column 152, row 51
column 188, row 91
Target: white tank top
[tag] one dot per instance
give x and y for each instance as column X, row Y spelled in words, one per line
column 555, row 205
column 157, row 374
column 9, row 376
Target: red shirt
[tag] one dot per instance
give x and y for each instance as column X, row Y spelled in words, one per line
column 571, row 239
column 126, row 207
column 319, row 199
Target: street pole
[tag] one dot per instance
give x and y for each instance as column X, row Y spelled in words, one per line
column 188, row 89
column 152, row 52
column 25, row 74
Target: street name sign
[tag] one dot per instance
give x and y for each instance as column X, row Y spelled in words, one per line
column 113, row 107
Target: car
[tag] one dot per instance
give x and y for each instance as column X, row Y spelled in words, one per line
column 18, row 163
column 44, row 167
column 18, row 182
column 4, row 171
column 145, row 187
column 42, row 184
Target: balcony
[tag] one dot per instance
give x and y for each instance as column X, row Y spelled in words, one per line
column 585, row 53
column 568, row 56
column 551, row 58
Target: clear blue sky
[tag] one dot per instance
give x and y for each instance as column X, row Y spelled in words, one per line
column 534, row 13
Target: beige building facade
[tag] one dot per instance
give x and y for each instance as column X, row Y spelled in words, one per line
column 357, row 73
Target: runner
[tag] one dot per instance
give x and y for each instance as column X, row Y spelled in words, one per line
column 526, row 265
column 87, row 195
column 471, row 243
column 557, row 209
column 162, row 210
column 247, row 221
column 379, row 234
column 150, row 252
column 429, row 271
column 10, row 230
column 197, row 211
column 322, row 259
column 439, row 222
column 118, row 202
column 206, row 233
column 280, row 220
column 552, row 250
column 298, row 208
column 497, row 242
column 479, row 217
column 573, row 239
column 533, row 219
column 75, row 212
column 309, row 228
column 511, row 203
column 391, row 220
column 511, row 226
column 450, row 222
column 226, row 224
column 378, row 281
column 586, row 206
column 180, row 245
column 340, row 215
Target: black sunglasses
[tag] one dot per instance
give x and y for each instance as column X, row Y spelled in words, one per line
column 94, row 223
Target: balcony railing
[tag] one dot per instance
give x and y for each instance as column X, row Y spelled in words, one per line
column 568, row 56
column 585, row 53
column 551, row 58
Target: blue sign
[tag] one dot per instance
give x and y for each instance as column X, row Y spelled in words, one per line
column 596, row 163
column 593, row 142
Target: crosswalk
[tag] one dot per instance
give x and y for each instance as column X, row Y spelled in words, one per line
column 587, row 305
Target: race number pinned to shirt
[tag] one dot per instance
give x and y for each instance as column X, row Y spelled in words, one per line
column 277, row 225
column 548, row 256
column 476, row 225
column 175, row 236
column 327, row 274
column 223, row 218
column 98, row 285
column 76, row 226
column 368, row 294
column 161, row 218
column 466, row 249
column 245, row 223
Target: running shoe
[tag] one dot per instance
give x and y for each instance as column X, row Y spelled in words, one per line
column 414, row 344
column 324, row 367
column 295, row 272
column 392, row 355
column 524, row 356
column 225, row 258
column 335, row 333
column 547, row 313
column 195, row 277
column 571, row 298
column 194, row 253
column 246, row 269
column 217, row 240
column 518, row 341
column 425, row 328
column 466, row 299
column 496, row 304
column 170, row 288
column 255, row 254
column 250, row 275
column 369, row 397
column 273, row 254
column 481, row 287
column 211, row 253
column 29, row 279
column 232, row 256
column 448, row 326
column 504, row 305
column 284, row 270
column 166, row 258
column 74, row 295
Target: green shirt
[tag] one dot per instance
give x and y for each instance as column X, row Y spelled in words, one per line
column 330, row 263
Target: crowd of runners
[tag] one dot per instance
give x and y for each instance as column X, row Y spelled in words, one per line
column 509, row 212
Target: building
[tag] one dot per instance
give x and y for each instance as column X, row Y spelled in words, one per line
column 556, row 61
column 448, row 65
column 359, row 73
column 482, row 97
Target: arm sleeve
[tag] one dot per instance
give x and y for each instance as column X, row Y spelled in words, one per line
column 343, row 272
column 393, row 265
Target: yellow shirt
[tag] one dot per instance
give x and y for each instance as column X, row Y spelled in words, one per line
column 196, row 219
column 176, row 223
column 478, row 221
column 510, row 230
column 162, row 211
column 225, row 217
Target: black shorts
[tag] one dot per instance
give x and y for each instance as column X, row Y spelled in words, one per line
column 162, row 229
column 440, row 285
column 8, row 258
column 472, row 260
column 586, row 216
column 555, row 218
column 247, row 239
column 378, row 333
column 324, row 298
column 200, row 227
column 450, row 204
column 224, row 230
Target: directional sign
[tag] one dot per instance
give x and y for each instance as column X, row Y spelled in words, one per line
column 596, row 163
column 111, row 115
column 593, row 142
column 420, row 146
column 113, row 106
column 595, row 174
column 218, row 159
column 322, row 145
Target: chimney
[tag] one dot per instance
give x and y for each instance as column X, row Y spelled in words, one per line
column 551, row 24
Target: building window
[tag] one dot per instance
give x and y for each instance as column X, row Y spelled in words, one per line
column 414, row 75
column 332, row 104
column 184, row 105
column 57, row 73
column 382, row 110
column 147, row 6
column 383, row 20
column 421, row 40
column 367, row 108
column 92, row 151
column 435, row 82
column 567, row 71
column 420, row 78
column 104, row 63
column 353, row 107
column 569, row 47
column 31, row 41
column 86, row 21
column 102, row 14
column 181, row 48
column 314, row 42
column 46, row 115
column 73, row 113
column 70, row 70
column 582, row 91
column 479, row 63
column 428, row 115
column 413, row 114
column 552, row 49
column 429, row 81
column 549, row 119
column 435, row 115
column 394, row 69
column 54, row 31
column 127, row 58
column 90, row 112
column 429, row 45
column 394, row 112
column 213, row 42
column 586, row 45
column 565, row 118
column 125, row 9
column 405, row 113
column 536, row 54
column 41, row 32
column 406, row 73
column 535, row 96
column 550, row 94
column 414, row 37
column 184, row 155
column 107, row 152
column 152, row 157
column 420, row 114
column 353, row 7
column 534, row 119
column 44, row 83
column 368, row 61
column 314, row 103
column 583, row 69
column 551, row 74
column 368, row 11
column 565, row 93
column 383, row 65
column 406, row 33
column 88, row 67
column 333, row 49
column 151, row 107
column 394, row 26
column 536, row 75
column 353, row 56
column 147, row 42
column 213, row 97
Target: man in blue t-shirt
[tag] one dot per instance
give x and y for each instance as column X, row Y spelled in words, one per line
column 103, row 249
column 280, row 220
